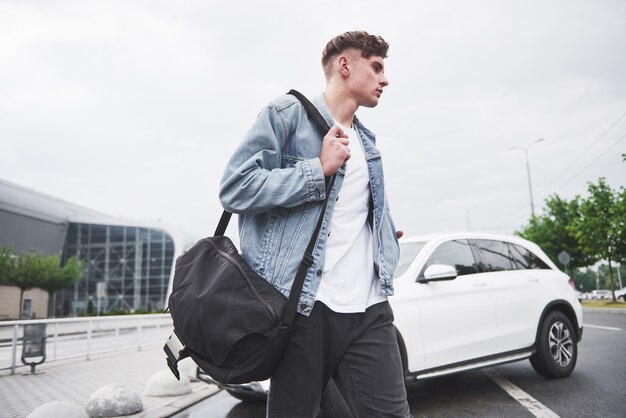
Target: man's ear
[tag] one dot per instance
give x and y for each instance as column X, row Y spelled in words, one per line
column 344, row 68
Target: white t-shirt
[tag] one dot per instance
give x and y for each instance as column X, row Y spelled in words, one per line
column 348, row 283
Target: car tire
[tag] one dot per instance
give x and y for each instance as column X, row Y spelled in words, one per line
column 557, row 349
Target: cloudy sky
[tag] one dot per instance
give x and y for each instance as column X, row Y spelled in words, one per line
column 132, row 108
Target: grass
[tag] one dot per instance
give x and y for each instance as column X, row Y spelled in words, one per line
column 603, row 304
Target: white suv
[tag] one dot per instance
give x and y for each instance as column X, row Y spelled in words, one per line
column 467, row 300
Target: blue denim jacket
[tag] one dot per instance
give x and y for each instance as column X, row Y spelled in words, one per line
column 275, row 182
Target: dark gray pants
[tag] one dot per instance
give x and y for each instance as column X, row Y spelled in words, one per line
column 359, row 350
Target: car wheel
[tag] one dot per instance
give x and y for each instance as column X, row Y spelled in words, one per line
column 557, row 349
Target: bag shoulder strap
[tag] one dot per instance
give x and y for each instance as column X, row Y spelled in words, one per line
column 307, row 261
column 223, row 224
column 312, row 111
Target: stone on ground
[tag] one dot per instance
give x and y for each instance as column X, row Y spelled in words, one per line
column 164, row 383
column 113, row 400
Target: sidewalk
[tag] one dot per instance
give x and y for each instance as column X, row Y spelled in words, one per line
column 76, row 380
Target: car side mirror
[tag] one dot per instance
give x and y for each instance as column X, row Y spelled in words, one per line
column 438, row 272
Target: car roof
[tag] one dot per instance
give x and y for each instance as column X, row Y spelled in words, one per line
column 443, row 236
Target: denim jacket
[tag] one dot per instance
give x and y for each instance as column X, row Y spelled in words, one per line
column 275, row 182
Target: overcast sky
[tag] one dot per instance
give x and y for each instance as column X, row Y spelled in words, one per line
column 132, row 108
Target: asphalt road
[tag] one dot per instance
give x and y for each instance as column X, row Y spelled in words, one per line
column 597, row 388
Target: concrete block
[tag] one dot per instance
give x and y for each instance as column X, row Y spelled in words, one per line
column 113, row 400
column 163, row 383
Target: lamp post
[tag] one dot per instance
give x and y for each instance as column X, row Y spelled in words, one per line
column 530, row 187
column 467, row 217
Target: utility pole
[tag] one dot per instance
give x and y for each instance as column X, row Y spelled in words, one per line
column 530, row 187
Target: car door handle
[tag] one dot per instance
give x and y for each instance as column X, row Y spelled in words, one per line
column 533, row 279
column 480, row 284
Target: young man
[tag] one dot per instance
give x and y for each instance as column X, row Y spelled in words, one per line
column 275, row 181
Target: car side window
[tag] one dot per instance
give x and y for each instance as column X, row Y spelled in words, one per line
column 456, row 253
column 408, row 252
column 495, row 255
column 525, row 260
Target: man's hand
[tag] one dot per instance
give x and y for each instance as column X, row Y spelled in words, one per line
column 399, row 233
column 335, row 150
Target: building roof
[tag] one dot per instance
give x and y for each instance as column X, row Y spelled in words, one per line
column 31, row 203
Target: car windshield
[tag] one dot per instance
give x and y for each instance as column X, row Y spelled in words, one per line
column 408, row 252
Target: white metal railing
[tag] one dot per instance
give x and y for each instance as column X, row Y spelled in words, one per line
column 84, row 337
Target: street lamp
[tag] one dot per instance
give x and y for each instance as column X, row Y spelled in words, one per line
column 467, row 217
column 530, row 187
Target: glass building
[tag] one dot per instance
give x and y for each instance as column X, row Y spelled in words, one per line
column 128, row 264
column 133, row 265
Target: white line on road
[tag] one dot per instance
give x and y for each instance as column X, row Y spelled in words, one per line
column 531, row 404
column 601, row 327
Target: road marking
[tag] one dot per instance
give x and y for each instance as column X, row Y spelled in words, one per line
column 531, row 404
column 601, row 327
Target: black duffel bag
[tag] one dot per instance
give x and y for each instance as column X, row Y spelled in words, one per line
column 228, row 319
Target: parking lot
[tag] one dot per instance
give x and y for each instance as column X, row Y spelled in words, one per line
column 597, row 388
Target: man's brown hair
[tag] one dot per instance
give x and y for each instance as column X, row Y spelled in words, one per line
column 368, row 45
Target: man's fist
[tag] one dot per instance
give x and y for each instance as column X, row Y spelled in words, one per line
column 335, row 150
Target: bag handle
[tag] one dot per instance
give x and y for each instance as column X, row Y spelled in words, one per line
column 290, row 310
column 223, row 224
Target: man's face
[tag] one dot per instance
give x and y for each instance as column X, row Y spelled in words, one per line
column 367, row 79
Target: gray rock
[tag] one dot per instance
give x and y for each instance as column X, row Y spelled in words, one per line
column 58, row 409
column 113, row 400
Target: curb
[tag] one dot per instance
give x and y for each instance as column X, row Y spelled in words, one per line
column 172, row 405
column 605, row 310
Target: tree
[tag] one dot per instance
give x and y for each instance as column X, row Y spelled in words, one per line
column 604, row 275
column 553, row 232
column 620, row 223
column 57, row 277
column 27, row 274
column 34, row 269
column 602, row 227
column 7, row 263
column 585, row 280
